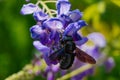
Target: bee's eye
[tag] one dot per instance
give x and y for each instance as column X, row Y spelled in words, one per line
column 65, row 39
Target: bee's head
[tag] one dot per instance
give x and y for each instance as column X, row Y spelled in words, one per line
column 66, row 39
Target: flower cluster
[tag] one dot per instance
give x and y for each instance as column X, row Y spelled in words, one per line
column 48, row 31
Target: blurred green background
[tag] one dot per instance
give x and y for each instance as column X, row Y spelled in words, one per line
column 16, row 47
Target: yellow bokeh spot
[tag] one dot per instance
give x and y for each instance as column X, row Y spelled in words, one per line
column 116, row 2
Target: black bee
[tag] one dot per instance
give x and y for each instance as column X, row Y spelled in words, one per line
column 68, row 51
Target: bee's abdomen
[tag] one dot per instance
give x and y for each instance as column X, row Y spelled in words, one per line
column 67, row 61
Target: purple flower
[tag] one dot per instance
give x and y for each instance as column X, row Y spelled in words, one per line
column 75, row 15
column 54, row 24
column 50, row 76
column 81, row 41
column 70, row 17
column 50, row 72
column 63, row 6
column 109, row 64
column 98, row 39
column 74, row 27
column 38, row 33
column 48, row 31
column 40, row 16
column 29, row 8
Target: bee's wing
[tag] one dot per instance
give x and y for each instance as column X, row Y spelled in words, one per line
column 84, row 57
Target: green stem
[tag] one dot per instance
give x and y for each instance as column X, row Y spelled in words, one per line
column 75, row 72
column 53, row 11
column 46, row 7
column 54, row 1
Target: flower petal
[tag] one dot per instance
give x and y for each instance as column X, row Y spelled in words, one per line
column 50, row 76
column 45, row 51
column 54, row 35
column 70, row 17
column 109, row 64
column 55, row 68
column 76, row 36
column 97, row 38
column 63, row 6
column 65, row 19
column 38, row 33
column 29, row 9
column 82, row 41
column 40, row 16
column 74, row 27
column 53, row 24
column 75, row 15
